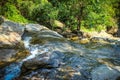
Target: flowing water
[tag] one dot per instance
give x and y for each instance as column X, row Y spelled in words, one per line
column 13, row 70
column 80, row 58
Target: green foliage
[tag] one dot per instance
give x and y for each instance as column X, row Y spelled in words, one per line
column 98, row 13
column 75, row 14
column 11, row 12
column 89, row 14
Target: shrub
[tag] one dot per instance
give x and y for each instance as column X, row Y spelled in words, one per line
column 11, row 12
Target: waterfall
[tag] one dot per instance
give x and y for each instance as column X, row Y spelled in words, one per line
column 13, row 70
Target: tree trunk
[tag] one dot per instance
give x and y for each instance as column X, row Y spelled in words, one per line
column 80, row 15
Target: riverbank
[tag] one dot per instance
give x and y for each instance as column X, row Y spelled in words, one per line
column 84, row 37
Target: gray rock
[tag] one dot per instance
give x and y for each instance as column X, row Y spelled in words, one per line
column 10, row 33
column 41, row 30
column 56, row 58
column 9, row 26
column 10, row 42
column 7, row 54
column 1, row 20
column 41, row 34
column 11, row 55
column 104, row 73
column 49, row 33
column 35, row 27
column 45, row 60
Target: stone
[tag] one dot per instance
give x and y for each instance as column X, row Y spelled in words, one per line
column 45, row 60
column 10, row 33
column 9, row 26
column 53, row 59
column 74, row 38
column 40, row 34
column 8, row 56
column 10, row 39
column 104, row 72
column 1, row 20
column 98, row 39
column 35, row 27
column 84, row 41
column 58, row 24
column 68, row 35
column 11, row 43
column 112, row 30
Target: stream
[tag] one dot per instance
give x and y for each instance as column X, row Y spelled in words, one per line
column 52, row 57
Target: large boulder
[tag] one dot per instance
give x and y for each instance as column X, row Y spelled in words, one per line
column 8, row 26
column 41, row 34
column 41, row 30
column 35, row 27
column 9, row 40
column 11, row 45
column 8, row 56
column 10, row 33
column 45, row 60
column 56, row 60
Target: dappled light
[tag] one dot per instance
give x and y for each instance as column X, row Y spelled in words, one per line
column 59, row 39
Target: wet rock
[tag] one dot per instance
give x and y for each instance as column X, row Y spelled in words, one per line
column 10, row 40
column 45, row 60
column 104, row 73
column 97, row 39
column 10, row 72
column 1, row 20
column 49, row 33
column 56, row 58
column 117, row 43
column 35, row 27
column 8, row 56
column 41, row 34
column 84, row 41
column 73, row 69
column 10, row 33
column 9, row 26
column 46, row 36
column 11, row 43
column 66, row 73
column 40, row 74
column 36, row 63
column 79, row 61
